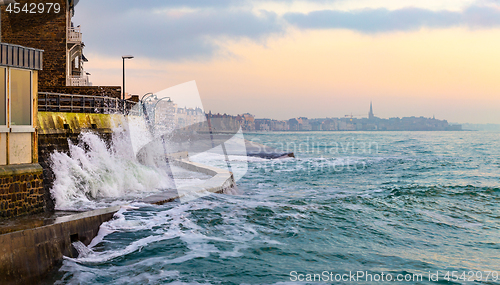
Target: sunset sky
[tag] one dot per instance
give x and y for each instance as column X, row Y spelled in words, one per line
column 320, row 58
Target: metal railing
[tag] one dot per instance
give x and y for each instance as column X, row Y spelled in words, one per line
column 74, row 35
column 71, row 103
column 78, row 81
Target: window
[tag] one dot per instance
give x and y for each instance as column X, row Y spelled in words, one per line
column 20, row 97
column 3, row 97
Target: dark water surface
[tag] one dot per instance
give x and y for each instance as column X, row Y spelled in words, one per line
column 397, row 203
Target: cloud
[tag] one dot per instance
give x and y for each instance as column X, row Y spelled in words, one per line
column 124, row 5
column 156, row 31
column 383, row 20
column 179, row 30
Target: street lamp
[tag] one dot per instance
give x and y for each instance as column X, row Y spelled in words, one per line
column 154, row 107
column 147, row 95
column 123, row 87
column 169, row 100
column 143, row 106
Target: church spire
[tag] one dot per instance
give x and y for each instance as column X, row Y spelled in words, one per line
column 370, row 115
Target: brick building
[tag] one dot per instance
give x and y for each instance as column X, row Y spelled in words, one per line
column 21, row 188
column 54, row 32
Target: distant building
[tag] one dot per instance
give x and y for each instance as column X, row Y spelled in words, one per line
column 329, row 125
column 293, row 124
column 346, row 125
column 263, row 125
column 171, row 116
column 248, row 122
column 370, row 114
column 304, row 124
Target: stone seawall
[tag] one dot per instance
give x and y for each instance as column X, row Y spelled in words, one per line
column 21, row 190
column 27, row 256
column 29, row 250
column 220, row 182
column 55, row 132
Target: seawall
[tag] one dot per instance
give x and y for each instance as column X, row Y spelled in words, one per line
column 220, row 181
column 57, row 129
column 33, row 246
column 21, row 190
column 27, row 255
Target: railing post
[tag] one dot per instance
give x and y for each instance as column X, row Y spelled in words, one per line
column 53, row 102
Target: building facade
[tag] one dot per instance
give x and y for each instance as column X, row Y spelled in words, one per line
column 52, row 31
column 62, row 42
column 21, row 186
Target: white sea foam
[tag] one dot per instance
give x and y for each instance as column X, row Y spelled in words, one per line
column 92, row 171
column 177, row 223
column 82, row 249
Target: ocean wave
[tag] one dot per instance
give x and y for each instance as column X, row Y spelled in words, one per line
column 92, row 171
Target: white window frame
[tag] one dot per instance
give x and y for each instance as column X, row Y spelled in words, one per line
column 23, row 128
column 5, row 128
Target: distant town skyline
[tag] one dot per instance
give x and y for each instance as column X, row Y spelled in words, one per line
column 285, row 59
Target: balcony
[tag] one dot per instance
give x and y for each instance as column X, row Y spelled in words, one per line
column 74, row 35
column 78, row 80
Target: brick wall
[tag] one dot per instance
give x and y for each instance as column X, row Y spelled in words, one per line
column 21, row 190
column 45, row 31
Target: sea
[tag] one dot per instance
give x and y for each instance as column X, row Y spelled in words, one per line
column 351, row 207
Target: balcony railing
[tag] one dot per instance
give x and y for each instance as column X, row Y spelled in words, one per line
column 74, row 35
column 78, row 81
column 71, row 103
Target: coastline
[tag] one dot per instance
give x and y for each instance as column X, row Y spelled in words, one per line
column 52, row 240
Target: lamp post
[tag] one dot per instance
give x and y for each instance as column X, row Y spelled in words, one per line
column 143, row 106
column 123, row 86
column 147, row 95
column 169, row 100
column 154, row 107
column 165, row 149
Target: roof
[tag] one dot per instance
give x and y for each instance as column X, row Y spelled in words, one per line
column 22, row 57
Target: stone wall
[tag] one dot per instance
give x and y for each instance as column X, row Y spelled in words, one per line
column 27, row 255
column 55, row 132
column 46, row 31
column 21, row 190
column 48, row 144
column 104, row 91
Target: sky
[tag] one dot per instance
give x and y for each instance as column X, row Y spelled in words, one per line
column 320, row 58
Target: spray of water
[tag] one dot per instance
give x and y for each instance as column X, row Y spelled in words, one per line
column 94, row 174
column 83, row 251
column 93, row 171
